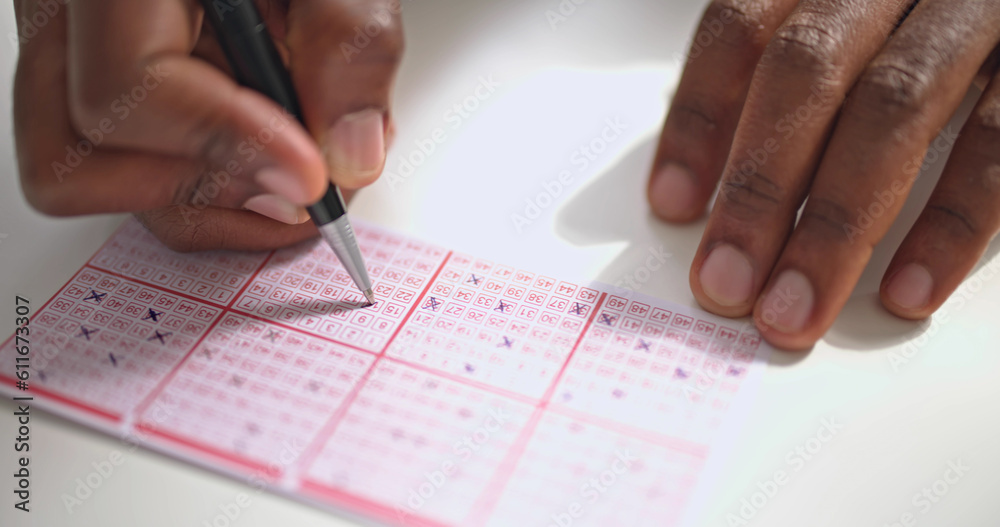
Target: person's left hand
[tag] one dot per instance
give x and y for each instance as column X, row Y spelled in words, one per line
column 832, row 103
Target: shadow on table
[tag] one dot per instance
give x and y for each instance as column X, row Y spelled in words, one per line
column 612, row 208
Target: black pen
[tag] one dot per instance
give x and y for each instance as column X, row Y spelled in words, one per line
column 256, row 64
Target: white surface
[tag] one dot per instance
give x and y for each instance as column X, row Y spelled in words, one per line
column 557, row 88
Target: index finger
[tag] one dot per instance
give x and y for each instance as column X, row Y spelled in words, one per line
column 700, row 125
column 130, row 64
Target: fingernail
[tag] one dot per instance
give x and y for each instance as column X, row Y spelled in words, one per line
column 911, row 287
column 283, row 183
column 277, row 208
column 356, row 148
column 727, row 276
column 789, row 303
column 672, row 192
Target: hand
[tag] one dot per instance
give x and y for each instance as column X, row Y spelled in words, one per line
column 793, row 99
column 125, row 106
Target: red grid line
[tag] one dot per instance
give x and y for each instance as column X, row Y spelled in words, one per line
column 160, row 386
column 32, row 389
column 586, row 327
column 46, row 304
column 698, row 450
column 118, row 229
column 364, row 505
column 169, row 377
column 519, row 397
column 257, row 467
column 299, row 330
column 491, row 496
column 211, row 303
column 53, row 396
column 250, row 280
column 312, row 451
column 417, row 303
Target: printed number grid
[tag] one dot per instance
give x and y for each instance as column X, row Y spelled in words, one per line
column 210, row 276
column 403, row 428
column 241, row 357
column 579, row 474
column 107, row 341
column 489, row 323
column 305, row 287
column 652, row 368
column 253, row 388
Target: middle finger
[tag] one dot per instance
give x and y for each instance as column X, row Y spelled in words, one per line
column 897, row 107
column 797, row 90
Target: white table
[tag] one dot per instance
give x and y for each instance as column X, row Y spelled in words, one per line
column 557, row 88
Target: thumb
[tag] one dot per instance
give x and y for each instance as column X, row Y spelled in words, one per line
column 343, row 59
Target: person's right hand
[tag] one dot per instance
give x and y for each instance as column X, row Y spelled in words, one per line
column 125, row 106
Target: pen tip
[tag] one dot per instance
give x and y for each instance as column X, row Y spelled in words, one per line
column 370, row 296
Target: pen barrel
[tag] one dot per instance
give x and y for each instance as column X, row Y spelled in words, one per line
column 256, row 64
column 329, row 208
column 251, row 52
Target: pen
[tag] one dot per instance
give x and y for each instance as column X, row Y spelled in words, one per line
column 256, row 64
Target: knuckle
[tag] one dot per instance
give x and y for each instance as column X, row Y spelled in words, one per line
column 805, row 45
column 827, row 219
column 980, row 141
column 695, row 113
column 180, row 234
column 742, row 23
column 748, row 195
column 698, row 116
column 954, row 219
column 374, row 26
column 894, row 86
column 187, row 238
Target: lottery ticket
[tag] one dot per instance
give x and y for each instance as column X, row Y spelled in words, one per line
column 471, row 393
